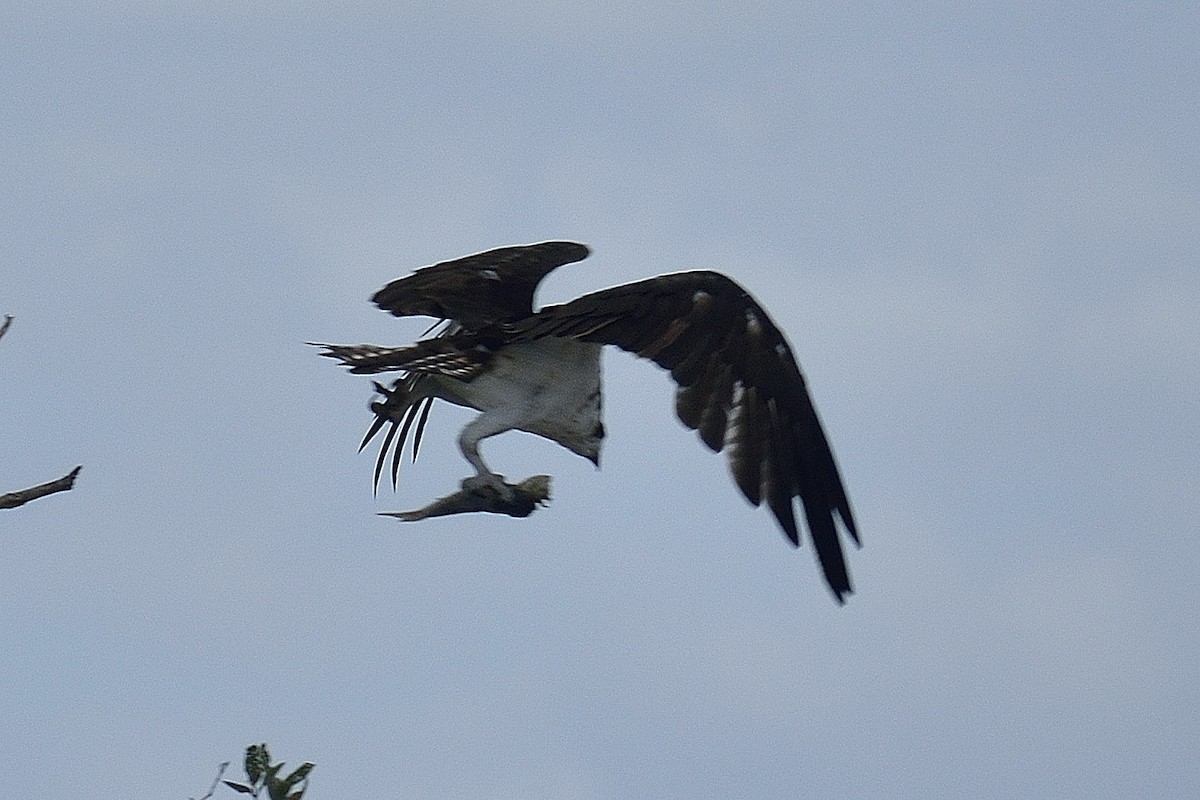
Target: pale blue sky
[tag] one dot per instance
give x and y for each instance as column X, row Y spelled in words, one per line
column 980, row 228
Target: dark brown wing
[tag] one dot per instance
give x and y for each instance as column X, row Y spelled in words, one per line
column 739, row 388
column 481, row 289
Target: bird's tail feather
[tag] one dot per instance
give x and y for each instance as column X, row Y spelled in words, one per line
column 368, row 359
column 442, row 355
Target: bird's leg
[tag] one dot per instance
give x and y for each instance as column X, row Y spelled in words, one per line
column 485, row 425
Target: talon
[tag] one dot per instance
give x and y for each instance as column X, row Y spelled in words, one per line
column 489, row 482
column 395, row 401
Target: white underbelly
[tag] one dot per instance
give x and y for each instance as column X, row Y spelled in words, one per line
column 549, row 373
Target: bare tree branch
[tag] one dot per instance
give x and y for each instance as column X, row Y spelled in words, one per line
column 224, row 765
column 66, row 482
column 14, row 499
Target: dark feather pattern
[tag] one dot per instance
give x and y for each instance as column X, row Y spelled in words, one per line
column 455, row 356
column 399, row 408
column 714, row 416
column 480, row 289
column 747, row 445
column 739, row 387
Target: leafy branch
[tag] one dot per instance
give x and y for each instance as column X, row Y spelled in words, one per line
column 262, row 774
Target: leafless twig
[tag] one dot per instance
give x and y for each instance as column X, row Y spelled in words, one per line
column 224, row 765
column 14, row 499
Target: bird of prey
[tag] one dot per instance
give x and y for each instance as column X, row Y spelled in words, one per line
column 539, row 371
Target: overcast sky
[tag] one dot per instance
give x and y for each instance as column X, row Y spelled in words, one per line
column 979, row 226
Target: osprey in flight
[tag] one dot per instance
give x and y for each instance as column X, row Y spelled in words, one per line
column 539, row 371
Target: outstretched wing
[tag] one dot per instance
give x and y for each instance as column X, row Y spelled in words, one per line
column 739, row 388
column 481, row 289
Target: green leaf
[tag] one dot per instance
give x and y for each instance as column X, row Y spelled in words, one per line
column 239, row 787
column 277, row 789
column 299, row 774
column 257, row 759
column 296, row 795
